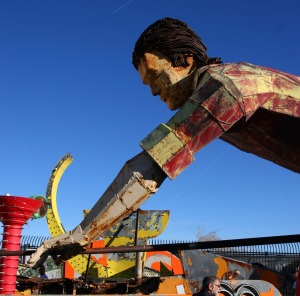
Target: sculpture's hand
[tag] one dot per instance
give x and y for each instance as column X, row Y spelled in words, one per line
column 58, row 254
column 60, row 248
column 38, row 257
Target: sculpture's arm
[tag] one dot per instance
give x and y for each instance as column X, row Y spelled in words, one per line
column 136, row 182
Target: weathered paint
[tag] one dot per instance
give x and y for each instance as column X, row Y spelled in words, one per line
column 150, row 224
column 171, row 285
column 155, row 260
column 198, row 264
column 168, row 145
column 121, row 206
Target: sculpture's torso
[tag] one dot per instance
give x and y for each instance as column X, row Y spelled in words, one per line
column 253, row 108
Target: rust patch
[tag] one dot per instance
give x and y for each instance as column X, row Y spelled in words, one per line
column 190, row 263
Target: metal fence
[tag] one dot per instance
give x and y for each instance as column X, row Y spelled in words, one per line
column 282, row 256
column 32, row 241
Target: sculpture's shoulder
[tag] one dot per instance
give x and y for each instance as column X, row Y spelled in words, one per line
column 232, row 76
column 227, row 73
column 232, row 68
column 249, row 71
column 249, row 79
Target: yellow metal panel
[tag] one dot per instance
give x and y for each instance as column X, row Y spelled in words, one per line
column 79, row 263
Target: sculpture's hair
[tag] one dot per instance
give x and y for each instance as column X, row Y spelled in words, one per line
column 174, row 39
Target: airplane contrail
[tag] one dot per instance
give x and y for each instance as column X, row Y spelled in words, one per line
column 122, row 6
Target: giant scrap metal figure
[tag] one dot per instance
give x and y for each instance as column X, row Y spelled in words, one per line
column 254, row 108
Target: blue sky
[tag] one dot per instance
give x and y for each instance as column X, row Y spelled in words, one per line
column 67, row 85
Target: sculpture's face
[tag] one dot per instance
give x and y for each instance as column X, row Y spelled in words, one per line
column 165, row 80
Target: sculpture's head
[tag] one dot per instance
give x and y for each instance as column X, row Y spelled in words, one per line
column 166, row 55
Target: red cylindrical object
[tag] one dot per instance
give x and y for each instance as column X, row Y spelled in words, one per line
column 14, row 213
column 298, row 283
